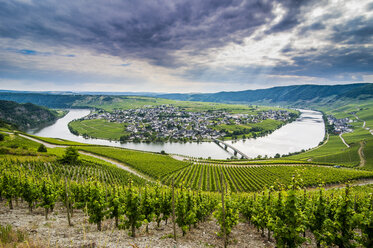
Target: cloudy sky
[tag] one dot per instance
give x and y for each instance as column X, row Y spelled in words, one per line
column 183, row 45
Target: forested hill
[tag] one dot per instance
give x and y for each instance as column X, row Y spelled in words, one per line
column 26, row 115
column 297, row 95
column 292, row 95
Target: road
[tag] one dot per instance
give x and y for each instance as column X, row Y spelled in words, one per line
column 343, row 140
column 361, row 154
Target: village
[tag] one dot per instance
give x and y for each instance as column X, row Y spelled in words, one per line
column 340, row 125
column 170, row 123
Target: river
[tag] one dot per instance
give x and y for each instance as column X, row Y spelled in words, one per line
column 304, row 133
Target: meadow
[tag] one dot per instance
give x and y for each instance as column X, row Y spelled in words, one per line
column 98, row 128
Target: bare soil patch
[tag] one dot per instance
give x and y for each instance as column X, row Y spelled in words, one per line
column 55, row 232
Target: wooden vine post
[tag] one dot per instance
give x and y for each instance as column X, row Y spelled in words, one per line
column 67, row 203
column 223, row 211
column 173, row 209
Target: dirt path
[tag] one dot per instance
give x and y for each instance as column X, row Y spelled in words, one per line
column 343, row 140
column 361, row 182
column 48, row 145
column 256, row 165
column 361, row 154
column 116, row 163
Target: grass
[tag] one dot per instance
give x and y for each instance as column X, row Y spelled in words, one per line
column 98, row 128
column 15, row 141
column 57, row 141
column 334, row 145
column 10, row 238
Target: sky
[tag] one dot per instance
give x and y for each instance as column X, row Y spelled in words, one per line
column 183, row 45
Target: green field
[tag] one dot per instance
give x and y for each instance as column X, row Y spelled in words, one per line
column 98, row 128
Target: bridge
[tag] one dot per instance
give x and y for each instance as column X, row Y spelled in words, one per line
column 235, row 150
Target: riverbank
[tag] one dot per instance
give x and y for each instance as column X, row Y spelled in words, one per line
column 278, row 142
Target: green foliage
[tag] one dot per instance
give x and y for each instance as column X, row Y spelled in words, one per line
column 318, row 217
column 30, row 192
column 254, row 178
column 341, row 227
column 26, row 115
column 48, row 195
column 115, row 202
column 230, row 218
column 133, row 213
column 147, row 207
column 96, row 204
column 287, row 228
column 340, row 217
column 42, row 148
column 71, row 156
column 181, row 212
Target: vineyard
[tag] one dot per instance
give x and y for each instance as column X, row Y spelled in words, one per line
column 151, row 164
column 255, row 178
column 290, row 217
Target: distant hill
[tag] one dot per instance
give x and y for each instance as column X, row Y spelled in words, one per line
column 26, row 115
column 42, row 99
column 297, row 95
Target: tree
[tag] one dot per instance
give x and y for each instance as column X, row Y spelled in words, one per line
column 71, row 156
column 42, row 148
column 124, row 138
column 2, row 137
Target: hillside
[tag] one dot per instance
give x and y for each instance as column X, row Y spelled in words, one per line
column 297, row 95
column 25, row 115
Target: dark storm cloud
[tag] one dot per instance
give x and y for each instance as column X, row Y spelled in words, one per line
column 331, row 63
column 356, row 31
column 151, row 30
column 157, row 30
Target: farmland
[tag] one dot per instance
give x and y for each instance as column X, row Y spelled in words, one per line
column 258, row 177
